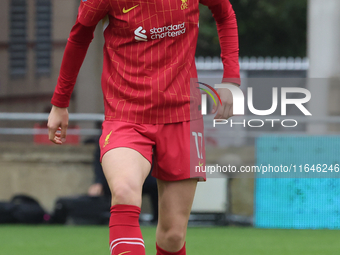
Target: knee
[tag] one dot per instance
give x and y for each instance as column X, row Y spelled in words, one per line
column 125, row 194
column 172, row 239
column 175, row 238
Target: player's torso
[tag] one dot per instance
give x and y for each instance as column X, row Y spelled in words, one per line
column 152, row 20
column 149, row 58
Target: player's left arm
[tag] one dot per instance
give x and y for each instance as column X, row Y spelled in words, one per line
column 226, row 23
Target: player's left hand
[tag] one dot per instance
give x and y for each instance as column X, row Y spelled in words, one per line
column 224, row 111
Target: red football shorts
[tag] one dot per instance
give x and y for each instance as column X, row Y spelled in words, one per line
column 176, row 150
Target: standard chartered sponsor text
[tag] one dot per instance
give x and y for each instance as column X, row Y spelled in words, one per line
column 168, row 31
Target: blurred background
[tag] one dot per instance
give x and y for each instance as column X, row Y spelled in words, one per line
column 288, row 43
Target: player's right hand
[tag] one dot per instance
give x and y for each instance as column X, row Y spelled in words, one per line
column 57, row 125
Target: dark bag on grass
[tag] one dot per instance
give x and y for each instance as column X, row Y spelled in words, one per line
column 82, row 210
column 27, row 210
column 6, row 213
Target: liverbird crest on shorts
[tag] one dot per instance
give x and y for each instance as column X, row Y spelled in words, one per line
column 107, row 139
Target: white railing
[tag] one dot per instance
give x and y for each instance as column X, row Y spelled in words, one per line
column 89, row 117
column 19, row 116
column 256, row 63
column 82, row 117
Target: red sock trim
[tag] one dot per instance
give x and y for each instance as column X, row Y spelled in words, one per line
column 124, row 215
column 160, row 251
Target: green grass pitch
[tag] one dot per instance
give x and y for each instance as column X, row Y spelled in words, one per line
column 93, row 240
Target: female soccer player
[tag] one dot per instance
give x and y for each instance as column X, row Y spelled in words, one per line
column 152, row 110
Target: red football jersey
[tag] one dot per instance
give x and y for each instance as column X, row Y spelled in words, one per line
column 149, row 56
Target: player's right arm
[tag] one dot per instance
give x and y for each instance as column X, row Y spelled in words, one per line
column 82, row 33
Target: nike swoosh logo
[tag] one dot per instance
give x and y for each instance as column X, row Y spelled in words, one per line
column 124, row 252
column 126, row 11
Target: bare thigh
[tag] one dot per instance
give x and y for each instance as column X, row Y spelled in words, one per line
column 125, row 170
